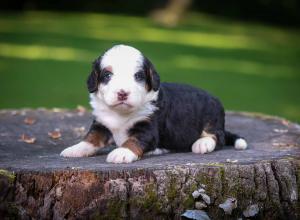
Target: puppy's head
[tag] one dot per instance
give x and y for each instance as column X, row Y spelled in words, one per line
column 123, row 79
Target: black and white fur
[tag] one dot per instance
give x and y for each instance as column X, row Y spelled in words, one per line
column 142, row 115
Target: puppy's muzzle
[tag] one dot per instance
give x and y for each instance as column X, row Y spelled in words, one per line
column 122, row 95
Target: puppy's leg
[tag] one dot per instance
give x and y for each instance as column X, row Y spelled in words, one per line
column 205, row 144
column 143, row 137
column 97, row 137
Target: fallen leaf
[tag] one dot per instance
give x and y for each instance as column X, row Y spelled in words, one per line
column 196, row 194
column 285, row 122
column 231, row 161
column 196, row 214
column 56, row 110
column 251, row 211
column 25, row 138
column 79, row 129
column 200, row 205
column 203, row 185
column 81, row 110
column 29, row 121
column 54, row 134
column 229, row 205
column 205, row 198
column 14, row 113
column 280, row 130
column 74, row 168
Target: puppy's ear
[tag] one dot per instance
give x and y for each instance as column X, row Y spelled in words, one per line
column 93, row 79
column 152, row 77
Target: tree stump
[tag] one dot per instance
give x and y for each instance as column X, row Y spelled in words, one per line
column 35, row 182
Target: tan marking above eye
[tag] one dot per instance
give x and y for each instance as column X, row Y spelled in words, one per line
column 108, row 68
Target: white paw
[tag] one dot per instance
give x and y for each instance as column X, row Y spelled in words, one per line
column 204, row 145
column 82, row 149
column 240, row 144
column 121, row 155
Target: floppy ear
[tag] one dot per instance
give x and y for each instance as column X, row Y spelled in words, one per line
column 152, row 77
column 93, row 79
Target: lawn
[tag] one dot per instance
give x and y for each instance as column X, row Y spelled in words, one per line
column 45, row 58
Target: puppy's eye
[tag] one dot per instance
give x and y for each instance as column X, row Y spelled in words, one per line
column 139, row 76
column 106, row 76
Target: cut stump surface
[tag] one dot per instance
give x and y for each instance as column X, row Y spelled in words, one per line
column 37, row 183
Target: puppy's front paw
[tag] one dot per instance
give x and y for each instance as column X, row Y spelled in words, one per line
column 82, row 149
column 121, row 155
column 204, row 145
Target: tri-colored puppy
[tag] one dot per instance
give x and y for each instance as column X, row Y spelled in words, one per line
column 140, row 114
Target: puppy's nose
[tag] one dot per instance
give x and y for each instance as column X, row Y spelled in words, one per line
column 122, row 95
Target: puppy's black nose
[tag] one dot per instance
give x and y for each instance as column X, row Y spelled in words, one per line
column 122, row 95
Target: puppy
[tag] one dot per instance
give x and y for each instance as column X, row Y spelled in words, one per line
column 141, row 115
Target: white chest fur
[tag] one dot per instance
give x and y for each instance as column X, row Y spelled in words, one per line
column 117, row 123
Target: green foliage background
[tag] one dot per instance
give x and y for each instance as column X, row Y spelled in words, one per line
column 45, row 58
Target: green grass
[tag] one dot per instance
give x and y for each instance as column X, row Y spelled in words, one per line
column 45, row 58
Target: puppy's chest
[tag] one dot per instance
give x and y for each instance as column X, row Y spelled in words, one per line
column 118, row 125
column 120, row 136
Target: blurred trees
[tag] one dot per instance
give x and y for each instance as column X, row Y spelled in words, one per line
column 172, row 13
column 282, row 12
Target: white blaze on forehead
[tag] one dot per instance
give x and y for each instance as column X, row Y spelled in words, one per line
column 123, row 59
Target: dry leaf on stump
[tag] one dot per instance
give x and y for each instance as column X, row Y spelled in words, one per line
column 25, row 138
column 54, row 134
column 29, row 121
